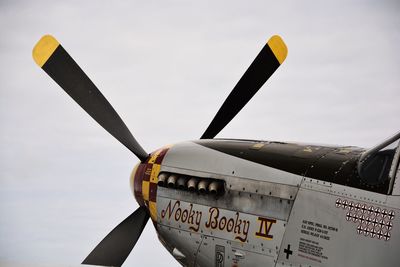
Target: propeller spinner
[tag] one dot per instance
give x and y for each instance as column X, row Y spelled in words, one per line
column 60, row 66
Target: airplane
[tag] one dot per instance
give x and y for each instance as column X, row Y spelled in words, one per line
column 237, row 202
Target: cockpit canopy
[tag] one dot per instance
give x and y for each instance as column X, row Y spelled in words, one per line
column 380, row 163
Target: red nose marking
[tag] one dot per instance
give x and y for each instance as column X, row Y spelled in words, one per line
column 145, row 177
column 137, row 183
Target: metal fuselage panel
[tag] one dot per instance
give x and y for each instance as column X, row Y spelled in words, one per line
column 244, row 226
column 271, row 217
column 335, row 226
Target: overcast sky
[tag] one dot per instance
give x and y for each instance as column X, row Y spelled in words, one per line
column 166, row 67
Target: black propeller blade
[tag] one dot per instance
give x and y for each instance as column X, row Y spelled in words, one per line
column 59, row 65
column 116, row 246
column 264, row 65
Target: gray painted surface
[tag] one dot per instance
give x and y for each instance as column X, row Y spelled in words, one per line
column 325, row 224
column 64, row 181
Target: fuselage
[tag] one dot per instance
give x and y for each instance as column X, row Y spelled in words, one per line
column 241, row 202
column 277, row 204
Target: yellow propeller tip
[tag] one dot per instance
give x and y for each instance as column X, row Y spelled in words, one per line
column 44, row 49
column 278, row 47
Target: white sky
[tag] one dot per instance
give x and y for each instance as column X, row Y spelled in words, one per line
column 166, row 67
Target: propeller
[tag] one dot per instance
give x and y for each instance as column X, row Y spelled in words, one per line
column 264, row 65
column 61, row 67
column 116, row 246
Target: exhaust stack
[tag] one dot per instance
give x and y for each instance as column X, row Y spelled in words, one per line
column 202, row 186
column 215, row 187
column 172, row 180
column 192, row 184
column 162, row 179
column 181, row 183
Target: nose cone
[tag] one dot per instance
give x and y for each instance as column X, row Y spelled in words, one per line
column 144, row 178
column 136, row 182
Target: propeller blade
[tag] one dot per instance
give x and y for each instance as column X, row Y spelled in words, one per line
column 116, row 246
column 60, row 66
column 264, row 65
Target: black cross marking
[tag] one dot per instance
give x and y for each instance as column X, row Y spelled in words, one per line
column 338, row 203
column 389, row 225
column 384, row 213
column 355, row 218
column 374, row 222
column 381, row 223
column 371, row 209
column 372, row 233
column 348, row 216
column 351, row 205
column 377, row 211
column 386, row 235
column 366, row 231
column 361, row 218
column 344, row 204
column 288, row 251
column 379, row 234
column 357, row 207
column 363, row 208
column 359, row 229
column 391, row 215
column 368, row 220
